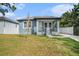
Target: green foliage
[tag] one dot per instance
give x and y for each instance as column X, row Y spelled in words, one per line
column 71, row 44
column 66, row 20
column 71, row 18
column 6, row 7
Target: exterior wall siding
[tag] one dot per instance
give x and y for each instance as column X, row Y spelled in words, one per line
column 11, row 28
column 34, row 27
column 38, row 26
column 23, row 30
column 1, row 27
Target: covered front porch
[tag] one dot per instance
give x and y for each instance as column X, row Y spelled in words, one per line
column 47, row 27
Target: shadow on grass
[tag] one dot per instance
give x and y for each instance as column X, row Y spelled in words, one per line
column 72, row 44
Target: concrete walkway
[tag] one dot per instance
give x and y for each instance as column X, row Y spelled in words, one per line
column 71, row 36
column 66, row 35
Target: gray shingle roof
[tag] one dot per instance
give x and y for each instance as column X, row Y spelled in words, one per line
column 7, row 19
column 39, row 17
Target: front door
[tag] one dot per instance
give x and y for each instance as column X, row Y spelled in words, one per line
column 45, row 31
column 50, row 28
column 47, row 27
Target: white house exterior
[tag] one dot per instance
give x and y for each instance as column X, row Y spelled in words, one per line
column 41, row 25
column 8, row 26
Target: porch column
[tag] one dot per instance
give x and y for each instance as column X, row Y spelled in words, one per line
column 47, row 29
column 58, row 26
column 37, row 27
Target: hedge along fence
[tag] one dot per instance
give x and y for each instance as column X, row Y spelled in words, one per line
column 76, row 30
column 67, row 30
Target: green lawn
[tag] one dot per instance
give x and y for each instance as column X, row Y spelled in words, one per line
column 16, row 45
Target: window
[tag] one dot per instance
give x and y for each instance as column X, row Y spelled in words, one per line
column 40, row 26
column 29, row 24
column 54, row 26
column 25, row 24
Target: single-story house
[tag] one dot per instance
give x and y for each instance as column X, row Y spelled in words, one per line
column 40, row 25
column 8, row 26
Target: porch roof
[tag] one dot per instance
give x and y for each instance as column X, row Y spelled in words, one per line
column 40, row 18
column 46, row 17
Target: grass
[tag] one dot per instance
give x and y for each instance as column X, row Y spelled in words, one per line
column 25, row 45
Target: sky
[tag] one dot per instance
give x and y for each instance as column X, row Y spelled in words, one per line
column 39, row 9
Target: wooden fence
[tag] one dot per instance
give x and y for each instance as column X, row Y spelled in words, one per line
column 76, row 30
column 66, row 30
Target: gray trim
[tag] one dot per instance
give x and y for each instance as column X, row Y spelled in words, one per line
column 24, row 19
column 7, row 19
column 40, row 18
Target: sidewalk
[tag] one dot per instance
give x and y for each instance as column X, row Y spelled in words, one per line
column 71, row 36
column 66, row 35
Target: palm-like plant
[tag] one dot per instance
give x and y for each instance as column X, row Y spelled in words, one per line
column 6, row 7
column 71, row 18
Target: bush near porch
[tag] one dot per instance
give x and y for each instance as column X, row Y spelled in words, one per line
column 37, row 45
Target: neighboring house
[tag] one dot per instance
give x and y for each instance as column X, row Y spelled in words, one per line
column 40, row 25
column 8, row 26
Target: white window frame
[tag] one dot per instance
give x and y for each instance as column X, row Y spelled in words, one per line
column 26, row 27
column 31, row 24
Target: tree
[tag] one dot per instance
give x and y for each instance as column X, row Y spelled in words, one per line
column 75, row 15
column 66, row 19
column 71, row 18
column 6, row 7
